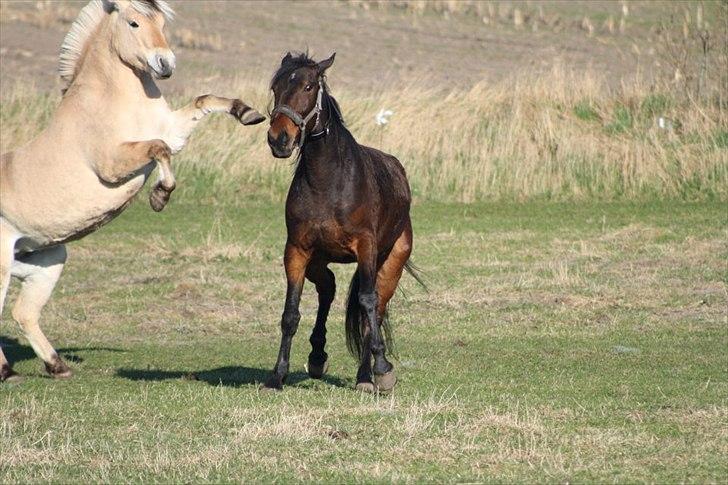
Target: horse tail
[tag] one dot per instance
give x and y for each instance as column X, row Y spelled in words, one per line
column 354, row 337
column 416, row 273
column 354, row 328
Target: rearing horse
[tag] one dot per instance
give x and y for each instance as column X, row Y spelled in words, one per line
column 112, row 127
column 347, row 203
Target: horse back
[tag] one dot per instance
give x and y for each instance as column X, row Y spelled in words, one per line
column 389, row 174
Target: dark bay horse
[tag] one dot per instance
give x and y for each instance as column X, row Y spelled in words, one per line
column 347, row 203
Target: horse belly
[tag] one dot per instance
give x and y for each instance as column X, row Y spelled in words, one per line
column 68, row 215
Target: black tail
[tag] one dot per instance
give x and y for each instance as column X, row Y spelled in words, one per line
column 416, row 273
column 354, row 330
column 354, row 337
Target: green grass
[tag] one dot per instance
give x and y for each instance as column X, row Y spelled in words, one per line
column 558, row 342
column 622, row 121
column 585, row 111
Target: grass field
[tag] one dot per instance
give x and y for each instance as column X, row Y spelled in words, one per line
column 558, row 342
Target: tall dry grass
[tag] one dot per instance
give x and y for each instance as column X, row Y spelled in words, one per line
column 561, row 136
column 42, row 13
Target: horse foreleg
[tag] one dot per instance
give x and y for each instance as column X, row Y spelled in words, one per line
column 325, row 282
column 39, row 271
column 295, row 260
column 129, row 157
column 185, row 119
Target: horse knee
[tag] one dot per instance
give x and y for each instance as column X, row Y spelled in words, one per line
column 289, row 321
column 201, row 101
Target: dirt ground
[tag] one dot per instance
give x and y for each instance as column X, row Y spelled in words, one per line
column 376, row 47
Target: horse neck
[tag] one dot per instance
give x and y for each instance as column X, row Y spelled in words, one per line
column 321, row 160
column 101, row 70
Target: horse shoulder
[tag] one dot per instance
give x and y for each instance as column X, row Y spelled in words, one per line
column 6, row 169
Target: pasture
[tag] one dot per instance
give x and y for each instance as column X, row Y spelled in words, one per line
column 575, row 327
column 558, row 342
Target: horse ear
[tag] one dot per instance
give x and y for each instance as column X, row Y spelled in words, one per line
column 287, row 58
column 325, row 64
column 115, row 5
column 109, row 5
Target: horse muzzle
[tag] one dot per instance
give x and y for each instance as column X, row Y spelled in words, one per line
column 280, row 146
column 162, row 65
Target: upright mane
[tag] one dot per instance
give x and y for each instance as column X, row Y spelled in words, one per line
column 74, row 44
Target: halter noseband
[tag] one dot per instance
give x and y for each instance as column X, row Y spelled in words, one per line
column 299, row 120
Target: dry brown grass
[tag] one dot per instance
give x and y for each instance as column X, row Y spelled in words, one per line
column 191, row 39
column 559, row 136
column 519, row 15
column 42, row 13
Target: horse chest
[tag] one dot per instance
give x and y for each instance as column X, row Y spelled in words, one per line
column 329, row 239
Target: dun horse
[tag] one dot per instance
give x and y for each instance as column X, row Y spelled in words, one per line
column 99, row 148
column 347, row 203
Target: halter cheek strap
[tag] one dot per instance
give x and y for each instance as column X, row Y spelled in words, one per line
column 300, row 121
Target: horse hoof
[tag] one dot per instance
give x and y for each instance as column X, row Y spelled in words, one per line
column 245, row 114
column 366, row 387
column 272, row 384
column 317, row 371
column 7, row 374
column 159, row 197
column 58, row 369
column 385, row 382
column 13, row 379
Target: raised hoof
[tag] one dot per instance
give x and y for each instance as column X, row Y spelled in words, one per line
column 245, row 114
column 317, row 371
column 7, row 374
column 159, row 197
column 385, row 382
column 58, row 369
column 367, row 387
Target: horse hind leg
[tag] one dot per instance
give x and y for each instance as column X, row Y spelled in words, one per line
column 39, row 271
column 8, row 238
column 323, row 278
column 370, row 335
column 364, row 373
column 391, row 270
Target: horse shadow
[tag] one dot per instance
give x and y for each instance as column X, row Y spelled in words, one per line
column 15, row 351
column 229, row 376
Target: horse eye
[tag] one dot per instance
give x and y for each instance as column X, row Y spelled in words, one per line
column 133, row 24
column 309, row 87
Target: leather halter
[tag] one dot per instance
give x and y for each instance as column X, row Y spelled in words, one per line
column 301, row 121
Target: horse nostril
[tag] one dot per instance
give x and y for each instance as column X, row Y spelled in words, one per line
column 165, row 67
column 283, row 138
